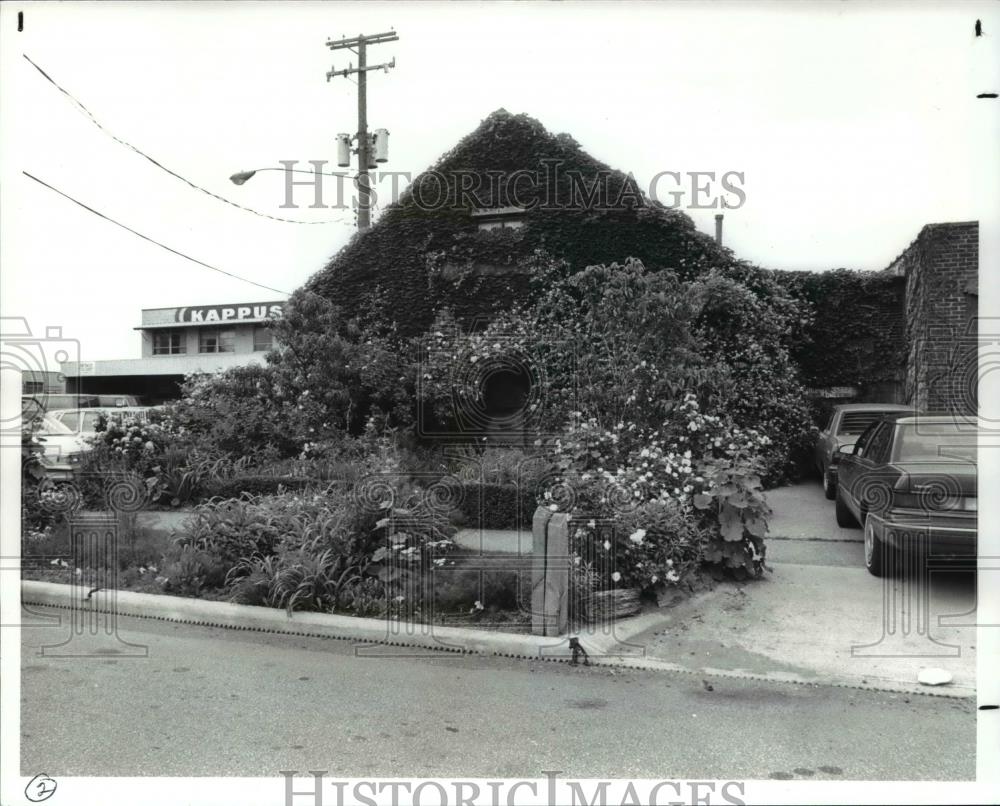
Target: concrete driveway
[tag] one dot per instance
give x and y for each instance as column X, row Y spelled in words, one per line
column 821, row 616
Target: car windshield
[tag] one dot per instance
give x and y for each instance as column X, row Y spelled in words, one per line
column 916, row 442
column 80, row 419
column 70, row 419
column 50, row 426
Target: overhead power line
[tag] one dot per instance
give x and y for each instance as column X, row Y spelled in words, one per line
column 162, row 167
column 151, row 240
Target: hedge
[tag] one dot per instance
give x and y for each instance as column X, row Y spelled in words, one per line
column 496, row 506
column 858, row 335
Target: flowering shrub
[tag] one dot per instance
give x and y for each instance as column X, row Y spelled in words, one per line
column 613, row 342
column 690, row 488
column 652, row 547
column 136, row 443
column 174, row 466
column 620, row 344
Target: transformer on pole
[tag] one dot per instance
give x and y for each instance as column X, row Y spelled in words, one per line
column 374, row 148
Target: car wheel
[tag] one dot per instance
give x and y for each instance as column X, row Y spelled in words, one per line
column 845, row 517
column 829, row 486
column 878, row 556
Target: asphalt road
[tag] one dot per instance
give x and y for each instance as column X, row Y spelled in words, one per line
column 208, row 701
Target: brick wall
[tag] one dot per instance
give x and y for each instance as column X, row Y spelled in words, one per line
column 941, row 269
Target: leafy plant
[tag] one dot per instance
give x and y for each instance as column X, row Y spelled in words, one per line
column 304, row 577
column 738, row 512
column 189, row 570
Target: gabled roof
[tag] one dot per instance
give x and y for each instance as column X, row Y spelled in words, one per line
column 389, row 265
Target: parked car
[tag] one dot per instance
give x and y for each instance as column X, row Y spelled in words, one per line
column 61, row 447
column 117, row 401
column 52, row 402
column 66, row 434
column 85, row 421
column 907, row 476
column 847, row 422
column 33, row 406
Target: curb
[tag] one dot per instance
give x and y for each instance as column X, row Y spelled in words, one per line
column 460, row 640
column 607, row 648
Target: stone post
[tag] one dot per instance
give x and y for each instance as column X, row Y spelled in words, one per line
column 550, row 573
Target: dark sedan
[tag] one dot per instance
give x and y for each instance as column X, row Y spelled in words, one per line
column 910, row 478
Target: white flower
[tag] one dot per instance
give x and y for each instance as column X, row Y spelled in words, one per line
column 616, row 576
column 607, row 545
column 554, row 507
column 637, row 535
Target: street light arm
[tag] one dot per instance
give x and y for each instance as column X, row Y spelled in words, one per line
column 243, row 176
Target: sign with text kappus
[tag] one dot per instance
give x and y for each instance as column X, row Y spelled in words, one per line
column 247, row 312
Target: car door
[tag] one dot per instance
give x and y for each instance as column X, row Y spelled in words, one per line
column 853, row 466
column 872, row 485
column 823, row 442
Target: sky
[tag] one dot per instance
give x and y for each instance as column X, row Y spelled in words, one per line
column 852, row 123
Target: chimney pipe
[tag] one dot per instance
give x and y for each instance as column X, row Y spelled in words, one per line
column 718, row 228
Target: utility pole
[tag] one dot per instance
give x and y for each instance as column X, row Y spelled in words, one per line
column 359, row 45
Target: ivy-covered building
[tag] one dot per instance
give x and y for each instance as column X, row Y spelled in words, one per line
column 468, row 233
column 465, row 234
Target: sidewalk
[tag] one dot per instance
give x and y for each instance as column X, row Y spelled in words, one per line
column 801, row 512
column 484, row 541
column 162, row 520
column 824, row 624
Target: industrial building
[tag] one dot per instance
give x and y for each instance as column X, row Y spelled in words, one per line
column 177, row 342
